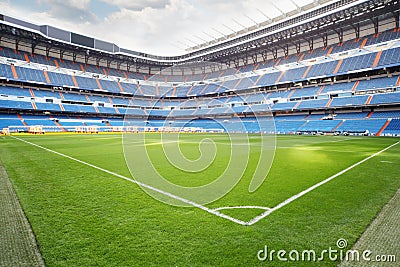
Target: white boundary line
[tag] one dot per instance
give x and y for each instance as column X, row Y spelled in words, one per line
column 242, row 207
column 194, row 204
column 216, row 211
column 302, row 193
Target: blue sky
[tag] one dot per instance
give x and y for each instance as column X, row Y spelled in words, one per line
column 161, row 27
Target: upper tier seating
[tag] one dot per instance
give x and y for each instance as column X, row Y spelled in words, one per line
column 57, row 77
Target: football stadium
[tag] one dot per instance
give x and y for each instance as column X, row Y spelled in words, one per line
column 275, row 145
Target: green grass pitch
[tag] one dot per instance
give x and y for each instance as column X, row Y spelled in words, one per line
column 86, row 217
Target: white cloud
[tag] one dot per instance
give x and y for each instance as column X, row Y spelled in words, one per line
column 138, row 4
column 160, row 27
column 77, row 4
column 77, row 11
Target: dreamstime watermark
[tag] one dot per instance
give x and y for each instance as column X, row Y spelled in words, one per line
column 149, row 156
column 337, row 253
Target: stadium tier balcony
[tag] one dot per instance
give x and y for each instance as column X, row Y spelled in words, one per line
column 382, row 37
column 51, row 94
column 378, row 83
column 106, row 110
column 289, row 117
column 390, row 57
column 10, row 119
column 319, row 126
column 353, row 115
column 318, row 52
column 259, row 108
column 255, row 98
column 130, row 88
column 322, row 69
column 211, row 89
column 338, row 87
column 268, row 79
column 393, row 127
column 132, row 111
column 48, row 107
column 292, row 75
column 75, row 97
column 305, row 92
column 284, row 106
column 6, row 72
column 386, row 98
column 182, row 91
column 360, row 126
column 60, row 79
column 313, row 104
column 347, row 45
column 14, row 91
column 349, row 101
column 27, row 74
column 182, row 112
column 87, row 83
column 288, row 126
column 315, row 117
column 110, row 86
column 120, row 101
column 79, row 108
column 385, row 114
column 15, row 105
column 56, row 77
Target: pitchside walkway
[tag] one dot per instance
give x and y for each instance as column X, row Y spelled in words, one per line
column 382, row 237
column 18, row 245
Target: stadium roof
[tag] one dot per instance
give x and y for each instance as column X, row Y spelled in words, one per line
column 290, row 32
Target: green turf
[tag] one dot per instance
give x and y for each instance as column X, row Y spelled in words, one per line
column 84, row 217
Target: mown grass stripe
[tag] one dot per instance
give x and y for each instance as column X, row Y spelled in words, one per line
column 18, row 246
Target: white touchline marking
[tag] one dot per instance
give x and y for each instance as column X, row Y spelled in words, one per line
column 242, row 207
column 216, row 211
column 194, row 204
column 302, row 193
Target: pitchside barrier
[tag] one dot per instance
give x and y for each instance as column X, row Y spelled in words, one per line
column 40, row 129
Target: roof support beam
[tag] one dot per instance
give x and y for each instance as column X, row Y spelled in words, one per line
column 264, row 55
column 33, row 46
column 356, row 28
column 298, row 48
column 375, row 21
column 254, row 58
column 339, row 33
column 396, row 16
column 17, row 44
column 62, row 54
column 325, row 39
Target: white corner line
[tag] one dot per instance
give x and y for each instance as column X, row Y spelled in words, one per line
column 189, row 202
column 302, row 193
column 242, row 207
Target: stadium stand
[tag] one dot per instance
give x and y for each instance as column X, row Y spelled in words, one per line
column 335, row 87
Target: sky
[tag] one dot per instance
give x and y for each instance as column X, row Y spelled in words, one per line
column 158, row 27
